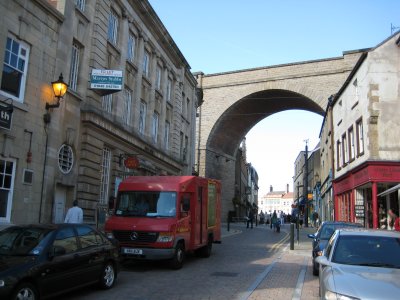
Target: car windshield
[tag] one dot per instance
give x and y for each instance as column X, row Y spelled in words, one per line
column 374, row 251
column 146, row 204
column 328, row 229
column 22, row 240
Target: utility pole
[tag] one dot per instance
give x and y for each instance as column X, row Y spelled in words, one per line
column 305, row 186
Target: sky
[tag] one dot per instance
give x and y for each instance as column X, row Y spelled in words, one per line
column 226, row 35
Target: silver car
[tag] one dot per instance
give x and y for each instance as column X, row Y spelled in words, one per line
column 360, row 264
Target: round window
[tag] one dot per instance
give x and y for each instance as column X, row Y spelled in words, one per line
column 65, row 158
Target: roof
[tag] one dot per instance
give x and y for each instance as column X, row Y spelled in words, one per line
column 368, row 232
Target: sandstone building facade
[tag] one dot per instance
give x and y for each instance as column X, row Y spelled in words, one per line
column 80, row 149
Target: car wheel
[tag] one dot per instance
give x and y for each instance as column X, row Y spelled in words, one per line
column 179, row 256
column 315, row 269
column 25, row 291
column 108, row 276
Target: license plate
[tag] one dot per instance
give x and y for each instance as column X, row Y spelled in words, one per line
column 132, row 251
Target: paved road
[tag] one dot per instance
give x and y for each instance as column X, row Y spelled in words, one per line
column 249, row 264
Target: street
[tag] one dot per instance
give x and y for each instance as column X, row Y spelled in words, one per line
column 236, row 269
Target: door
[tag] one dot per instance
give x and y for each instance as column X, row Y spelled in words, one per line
column 7, row 176
column 59, row 203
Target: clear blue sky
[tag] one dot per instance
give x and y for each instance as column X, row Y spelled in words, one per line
column 225, row 35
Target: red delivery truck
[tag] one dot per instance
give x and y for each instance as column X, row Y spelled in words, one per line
column 164, row 217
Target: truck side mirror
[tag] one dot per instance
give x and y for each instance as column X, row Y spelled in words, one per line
column 185, row 204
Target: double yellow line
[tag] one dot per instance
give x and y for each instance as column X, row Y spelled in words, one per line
column 276, row 246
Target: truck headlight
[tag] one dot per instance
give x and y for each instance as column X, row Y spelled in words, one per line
column 165, row 237
column 110, row 235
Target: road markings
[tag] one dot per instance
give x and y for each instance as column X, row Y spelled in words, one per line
column 300, row 280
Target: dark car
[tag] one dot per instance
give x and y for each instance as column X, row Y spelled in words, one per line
column 39, row 261
column 322, row 236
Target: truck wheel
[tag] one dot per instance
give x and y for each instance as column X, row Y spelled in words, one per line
column 179, row 256
column 205, row 251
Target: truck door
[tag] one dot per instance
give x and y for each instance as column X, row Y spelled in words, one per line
column 200, row 214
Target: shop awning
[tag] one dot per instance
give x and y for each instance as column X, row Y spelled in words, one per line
column 391, row 190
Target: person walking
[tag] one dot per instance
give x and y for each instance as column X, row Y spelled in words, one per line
column 250, row 218
column 394, row 221
column 74, row 214
column 274, row 218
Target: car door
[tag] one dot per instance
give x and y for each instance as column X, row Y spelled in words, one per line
column 92, row 251
column 63, row 270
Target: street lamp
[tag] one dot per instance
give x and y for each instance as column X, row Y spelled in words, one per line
column 59, row 88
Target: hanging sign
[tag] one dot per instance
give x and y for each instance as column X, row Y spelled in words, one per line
column 6, row 116
column 131, row 162
column 106, row 79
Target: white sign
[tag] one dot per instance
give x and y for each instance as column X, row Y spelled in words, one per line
column 106, row 79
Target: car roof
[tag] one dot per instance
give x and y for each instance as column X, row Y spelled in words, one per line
column 340, row 223
column 48, row 226
column 368, row 232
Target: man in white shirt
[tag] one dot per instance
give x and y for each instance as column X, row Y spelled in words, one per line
column 74, row 214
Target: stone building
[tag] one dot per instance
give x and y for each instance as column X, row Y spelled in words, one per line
column 130, row 107
column 365, row 133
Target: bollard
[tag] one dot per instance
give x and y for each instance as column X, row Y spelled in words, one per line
column 291, row 236
column 228, row 222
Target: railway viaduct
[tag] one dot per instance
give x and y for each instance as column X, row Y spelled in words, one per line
column 234, row 102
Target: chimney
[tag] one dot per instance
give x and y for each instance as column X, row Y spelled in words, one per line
column 270, row 189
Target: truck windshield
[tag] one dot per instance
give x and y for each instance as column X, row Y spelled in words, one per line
column 146, row 204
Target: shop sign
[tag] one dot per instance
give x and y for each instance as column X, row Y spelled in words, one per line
column 106, row 79
column 131, row 162
column 6, row 116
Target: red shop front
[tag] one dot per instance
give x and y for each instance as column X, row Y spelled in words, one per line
column 356, row 194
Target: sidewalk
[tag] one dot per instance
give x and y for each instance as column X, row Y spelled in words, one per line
column 289, row 275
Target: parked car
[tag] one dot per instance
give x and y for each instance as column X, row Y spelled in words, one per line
column 360, row 264
column 322, row 236
column 39, row 261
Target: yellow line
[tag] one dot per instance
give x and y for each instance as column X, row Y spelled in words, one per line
column 278, row 244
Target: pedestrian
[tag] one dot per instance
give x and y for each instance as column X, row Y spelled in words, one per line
column 74, row 214
column 315, row 218
column 274, row 218
column 394, row 221
column 250, row 218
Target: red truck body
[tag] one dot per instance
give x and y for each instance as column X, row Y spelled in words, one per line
column 163, row 217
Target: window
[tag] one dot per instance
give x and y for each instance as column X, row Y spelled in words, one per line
column 183, row 103
column 344, row 150
column 352, row 148
column 181, row 145
column 154, row 128
column 169, row 90
column 105, row 175
column 188, row 109
column 80, row 4
column 88, row 237
column 107, row 103
column 360, row 137
column 112, row 28
column 14, row 69
column 73, row 75
column 127, row 107
column 7, row 173
column 146, row 60
column 166, row 135
column 65, row 159
column 131, row 47
column 142, row 117
column 66, row 239
column 338, row 154
column 158, row 77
